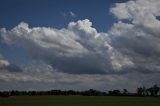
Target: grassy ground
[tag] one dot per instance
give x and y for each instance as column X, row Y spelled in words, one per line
column 79, row 101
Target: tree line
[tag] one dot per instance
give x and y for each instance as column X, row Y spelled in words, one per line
column 141, row 91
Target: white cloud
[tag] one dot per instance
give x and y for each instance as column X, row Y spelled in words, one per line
column 72, row 14
column 82, row 26
column 62, row 41
column 69, row 14
column 136, row 9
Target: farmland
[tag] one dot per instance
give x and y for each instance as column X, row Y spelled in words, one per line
column 79, row 101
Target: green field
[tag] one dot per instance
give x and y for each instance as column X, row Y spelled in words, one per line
column 79, row 101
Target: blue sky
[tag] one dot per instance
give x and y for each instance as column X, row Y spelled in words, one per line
column 52, row 12
column 79, row 44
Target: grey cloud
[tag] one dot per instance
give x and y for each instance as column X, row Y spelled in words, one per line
column 57, row 80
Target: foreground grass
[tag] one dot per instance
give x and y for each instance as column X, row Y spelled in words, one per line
column 79, row 101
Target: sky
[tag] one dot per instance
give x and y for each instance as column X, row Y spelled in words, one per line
column 79, row 44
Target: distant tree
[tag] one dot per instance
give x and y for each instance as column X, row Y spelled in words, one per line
column 154, row 90
column 144, row 91
column 115, row 92
column 4, row 94
column 140, row 91
column 125, row 92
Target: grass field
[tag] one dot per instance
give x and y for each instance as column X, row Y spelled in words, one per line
column 79, row 101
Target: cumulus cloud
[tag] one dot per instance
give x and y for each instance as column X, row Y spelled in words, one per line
column 62, row 41
column 138, row 37
column 79, row 53
column 74, row 49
